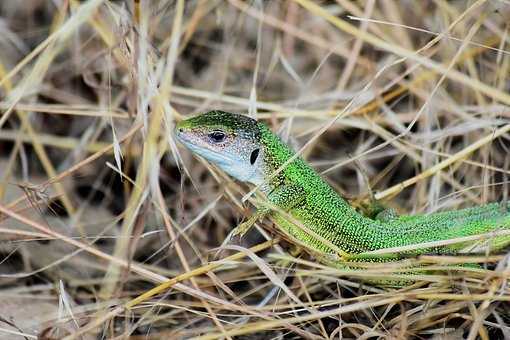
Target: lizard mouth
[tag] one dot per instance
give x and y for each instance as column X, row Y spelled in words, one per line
column 200, row 147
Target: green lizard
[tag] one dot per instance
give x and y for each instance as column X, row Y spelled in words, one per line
column 248, row 151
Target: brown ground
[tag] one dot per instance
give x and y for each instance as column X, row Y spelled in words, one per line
column 98, row 204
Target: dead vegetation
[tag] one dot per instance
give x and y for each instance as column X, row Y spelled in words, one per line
column 98, row 204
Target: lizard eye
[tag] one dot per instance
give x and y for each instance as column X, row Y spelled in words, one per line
column 217, row 136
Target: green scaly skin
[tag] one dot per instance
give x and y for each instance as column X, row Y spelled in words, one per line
column 299, row 191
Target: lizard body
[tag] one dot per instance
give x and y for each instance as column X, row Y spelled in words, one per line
column 250, row 152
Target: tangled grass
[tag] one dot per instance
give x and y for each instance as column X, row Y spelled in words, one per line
column 404, row 101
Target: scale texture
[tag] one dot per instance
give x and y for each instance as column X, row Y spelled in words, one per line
column 320, row 216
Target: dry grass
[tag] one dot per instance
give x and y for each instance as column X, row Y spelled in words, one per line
column 98, row 204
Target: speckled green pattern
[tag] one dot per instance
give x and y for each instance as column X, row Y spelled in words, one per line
column 300, row 191
column 330, row 216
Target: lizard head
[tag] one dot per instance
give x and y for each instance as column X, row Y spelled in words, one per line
column 230, row 141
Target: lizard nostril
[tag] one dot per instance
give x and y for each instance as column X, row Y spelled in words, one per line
column 181, row 130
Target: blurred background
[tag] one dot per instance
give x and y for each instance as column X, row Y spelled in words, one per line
column 98, row 203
